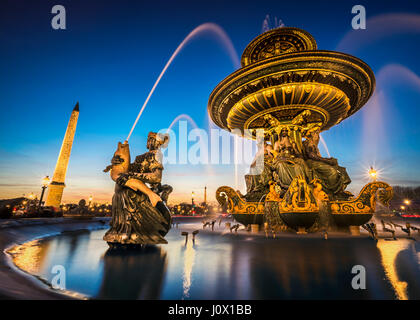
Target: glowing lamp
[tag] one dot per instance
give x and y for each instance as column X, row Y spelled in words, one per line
column 45, row 181
column 373, row 173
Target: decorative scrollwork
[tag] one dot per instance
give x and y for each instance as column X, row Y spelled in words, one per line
column 299, row 198
column 365, row 203
column 236, row 204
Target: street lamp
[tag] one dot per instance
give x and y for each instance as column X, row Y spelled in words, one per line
column 45, row 182
column 90, row 200
column 407, row 202
column 192, row 198
column 373, row 173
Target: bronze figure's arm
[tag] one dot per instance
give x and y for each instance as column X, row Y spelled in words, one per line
column 150, row 177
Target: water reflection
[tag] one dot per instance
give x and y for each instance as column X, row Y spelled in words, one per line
column 133, row 274
column 229, row 267
column 189, row 256
column 400, row 262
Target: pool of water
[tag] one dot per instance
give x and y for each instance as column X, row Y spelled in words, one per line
column 227, row 266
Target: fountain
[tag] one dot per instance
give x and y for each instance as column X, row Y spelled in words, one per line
column 293, row 92
column 205, row 27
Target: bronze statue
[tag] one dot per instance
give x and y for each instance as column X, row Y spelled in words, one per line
column 139, row 215
column 258, row 179
column 334, row 179
column 288, row 162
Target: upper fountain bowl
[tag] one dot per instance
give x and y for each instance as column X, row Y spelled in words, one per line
column 284, row 74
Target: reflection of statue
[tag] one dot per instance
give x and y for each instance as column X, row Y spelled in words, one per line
column 334, row 179
column 133, row 274
column 138, row 214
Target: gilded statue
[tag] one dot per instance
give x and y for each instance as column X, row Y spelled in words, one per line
column 139, row 214
column 260, row 174
column 288, row 162
column 333, row 178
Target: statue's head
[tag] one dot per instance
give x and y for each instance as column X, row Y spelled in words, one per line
column 284, row 132
column 313, row 130
column 157, row 140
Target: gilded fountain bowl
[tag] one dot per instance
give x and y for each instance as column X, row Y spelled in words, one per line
column 283, row 74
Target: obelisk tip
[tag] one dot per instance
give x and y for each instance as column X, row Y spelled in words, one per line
column 76, row 107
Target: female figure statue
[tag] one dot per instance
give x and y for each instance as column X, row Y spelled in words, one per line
column 288, row 162
column 334, row 179
column 257, row 181
column 139, row 216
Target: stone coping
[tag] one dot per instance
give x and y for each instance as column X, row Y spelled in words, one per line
column 15, row 283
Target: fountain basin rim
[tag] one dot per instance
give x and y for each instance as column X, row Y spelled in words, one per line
column 343, row 71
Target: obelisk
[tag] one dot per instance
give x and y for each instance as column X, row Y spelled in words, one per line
column 56, row 187
column 205, row 195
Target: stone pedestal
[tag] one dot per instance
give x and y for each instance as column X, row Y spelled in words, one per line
column 354, row 230
column 301, row 230
column 255, row 228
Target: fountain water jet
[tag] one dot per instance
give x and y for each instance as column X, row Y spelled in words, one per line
column 375, row 128
column 198, row 30
column 182, row 116
column 324, row 144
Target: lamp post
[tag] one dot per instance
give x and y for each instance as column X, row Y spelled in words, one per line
column 192, row 203
column 45, row 182
column 90, row 200
column 407, row 202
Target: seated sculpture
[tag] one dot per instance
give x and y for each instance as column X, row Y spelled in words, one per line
column 282, row 164
column 260, row 174
column 288, row 162
column 333, row 178
column 139, row 216
column 289, row 157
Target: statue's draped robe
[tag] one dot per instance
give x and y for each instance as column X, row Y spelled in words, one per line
column 134, row 219
column 334, row 178
column 287, row 168
column 257, row 181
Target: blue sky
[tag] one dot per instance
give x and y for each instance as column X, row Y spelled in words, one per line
column 112, row 52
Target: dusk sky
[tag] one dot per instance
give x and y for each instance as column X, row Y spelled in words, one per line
column 111, row 53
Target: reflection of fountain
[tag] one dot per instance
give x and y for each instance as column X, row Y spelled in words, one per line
column 30, row 256
column 293, row 91
column 389, row 251
column 205, row 27
column 189, row 257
